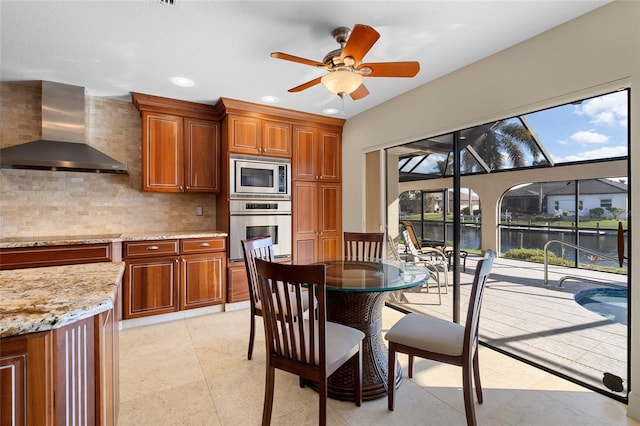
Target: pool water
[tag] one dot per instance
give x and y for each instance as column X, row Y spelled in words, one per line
column 610, row 303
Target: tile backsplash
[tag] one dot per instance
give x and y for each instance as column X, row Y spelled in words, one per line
column 45, row 203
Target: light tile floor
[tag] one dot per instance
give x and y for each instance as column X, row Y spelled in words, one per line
column 194, row 371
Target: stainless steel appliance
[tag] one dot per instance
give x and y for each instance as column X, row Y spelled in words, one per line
column 254, row 218
column 260, row 177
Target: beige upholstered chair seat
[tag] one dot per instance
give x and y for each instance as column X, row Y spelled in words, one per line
column 340, row 339
column 428, row 334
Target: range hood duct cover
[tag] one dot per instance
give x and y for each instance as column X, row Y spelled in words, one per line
column 62, row 146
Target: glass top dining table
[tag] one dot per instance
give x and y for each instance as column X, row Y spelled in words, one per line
column 356, row 293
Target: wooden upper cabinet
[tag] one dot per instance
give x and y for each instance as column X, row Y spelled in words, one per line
column 254, row 136
column 180, row 145
column 245, row 134
column 162, row 153
column 317, row 154
column 202, row 155
column 276, row 139
column 329, row 155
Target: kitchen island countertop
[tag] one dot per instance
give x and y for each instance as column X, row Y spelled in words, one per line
column 39, row 299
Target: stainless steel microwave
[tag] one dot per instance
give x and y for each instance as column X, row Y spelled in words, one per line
column 259, row 177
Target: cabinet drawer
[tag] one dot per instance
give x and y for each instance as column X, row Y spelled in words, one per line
column 150, row 248
column 202, row 245
column 31, row 257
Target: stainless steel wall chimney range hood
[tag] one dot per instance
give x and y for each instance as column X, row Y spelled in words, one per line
column 62, row 146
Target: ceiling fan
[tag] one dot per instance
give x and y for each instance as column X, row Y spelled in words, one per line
column 345, row 66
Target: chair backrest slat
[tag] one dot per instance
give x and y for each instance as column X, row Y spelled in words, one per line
column 365, row 246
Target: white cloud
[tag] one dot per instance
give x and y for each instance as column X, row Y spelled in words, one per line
column 588, row 137
column 606, row 110
column 604, row 152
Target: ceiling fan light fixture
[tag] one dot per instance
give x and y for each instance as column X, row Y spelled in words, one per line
column 342, row 81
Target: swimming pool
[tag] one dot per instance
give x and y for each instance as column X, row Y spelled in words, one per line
column 610, row 303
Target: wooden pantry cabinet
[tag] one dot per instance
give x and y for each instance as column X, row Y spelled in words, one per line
column 165, row 276
column 317, row 221
column 180, row 145
column 317, row 154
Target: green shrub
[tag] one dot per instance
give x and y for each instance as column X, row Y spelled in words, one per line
column 536, row 255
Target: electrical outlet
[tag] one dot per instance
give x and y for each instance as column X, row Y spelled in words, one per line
column 199, row 211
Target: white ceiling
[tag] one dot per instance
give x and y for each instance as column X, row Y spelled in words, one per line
column 115, row 47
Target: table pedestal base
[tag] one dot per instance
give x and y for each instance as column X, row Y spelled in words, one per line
column 363, row 311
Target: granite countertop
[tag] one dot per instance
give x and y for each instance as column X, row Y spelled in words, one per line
column 40, row 241
column 40, row 299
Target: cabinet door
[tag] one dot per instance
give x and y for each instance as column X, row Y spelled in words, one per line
column 305, row 221
column 329, row 155
column 150, row 287
column 330, row 221
column 304, row 153
column 162, row 151
column 202, row 280
column 245, row 134
column 276, row 140
column 237, row 284
column 202, row 155
column 26, row 373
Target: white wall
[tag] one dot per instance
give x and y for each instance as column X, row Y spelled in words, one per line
column 588, row 56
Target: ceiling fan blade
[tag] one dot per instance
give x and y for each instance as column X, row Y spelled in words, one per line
column 287, row 57
column 359, row 93
column 392, row 69
column 305, row 85
column 362, row 38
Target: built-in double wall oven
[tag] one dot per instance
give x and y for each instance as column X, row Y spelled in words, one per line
column 260, row 203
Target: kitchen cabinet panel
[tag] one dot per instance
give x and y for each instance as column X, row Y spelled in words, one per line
column 32, row 257
column 151, row 287
column 202, row 280
column 180, row 145
column 202, row 151
column 164, row 276
column 276, row 140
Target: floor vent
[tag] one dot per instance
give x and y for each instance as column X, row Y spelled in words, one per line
column 169, row 2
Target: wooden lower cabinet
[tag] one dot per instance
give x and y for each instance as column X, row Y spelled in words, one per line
column 64, row 376
column 317, row 221
column 150, row 287
column 165, row 276
column 202, row 280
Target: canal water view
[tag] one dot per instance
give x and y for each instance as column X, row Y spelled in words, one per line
column 601, row 241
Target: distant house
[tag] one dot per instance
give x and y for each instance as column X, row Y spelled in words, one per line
column 594, row 193
column 555, row 198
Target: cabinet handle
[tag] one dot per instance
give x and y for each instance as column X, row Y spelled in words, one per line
column 153, row 248
column 187, row 187
column 204, row 244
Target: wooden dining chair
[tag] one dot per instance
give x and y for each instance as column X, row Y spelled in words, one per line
column 444, row 341
column 366, row 246
column 311, row 348
column 255, row 248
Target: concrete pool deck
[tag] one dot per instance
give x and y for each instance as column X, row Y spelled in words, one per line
column 542, row 324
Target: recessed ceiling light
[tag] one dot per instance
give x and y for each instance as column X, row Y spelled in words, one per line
column 331, row 110
column 269, row 99
column 182, row 81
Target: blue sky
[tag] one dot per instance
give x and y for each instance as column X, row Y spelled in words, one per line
column 593, row 129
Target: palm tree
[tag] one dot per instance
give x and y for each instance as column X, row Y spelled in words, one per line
column 502, row 146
